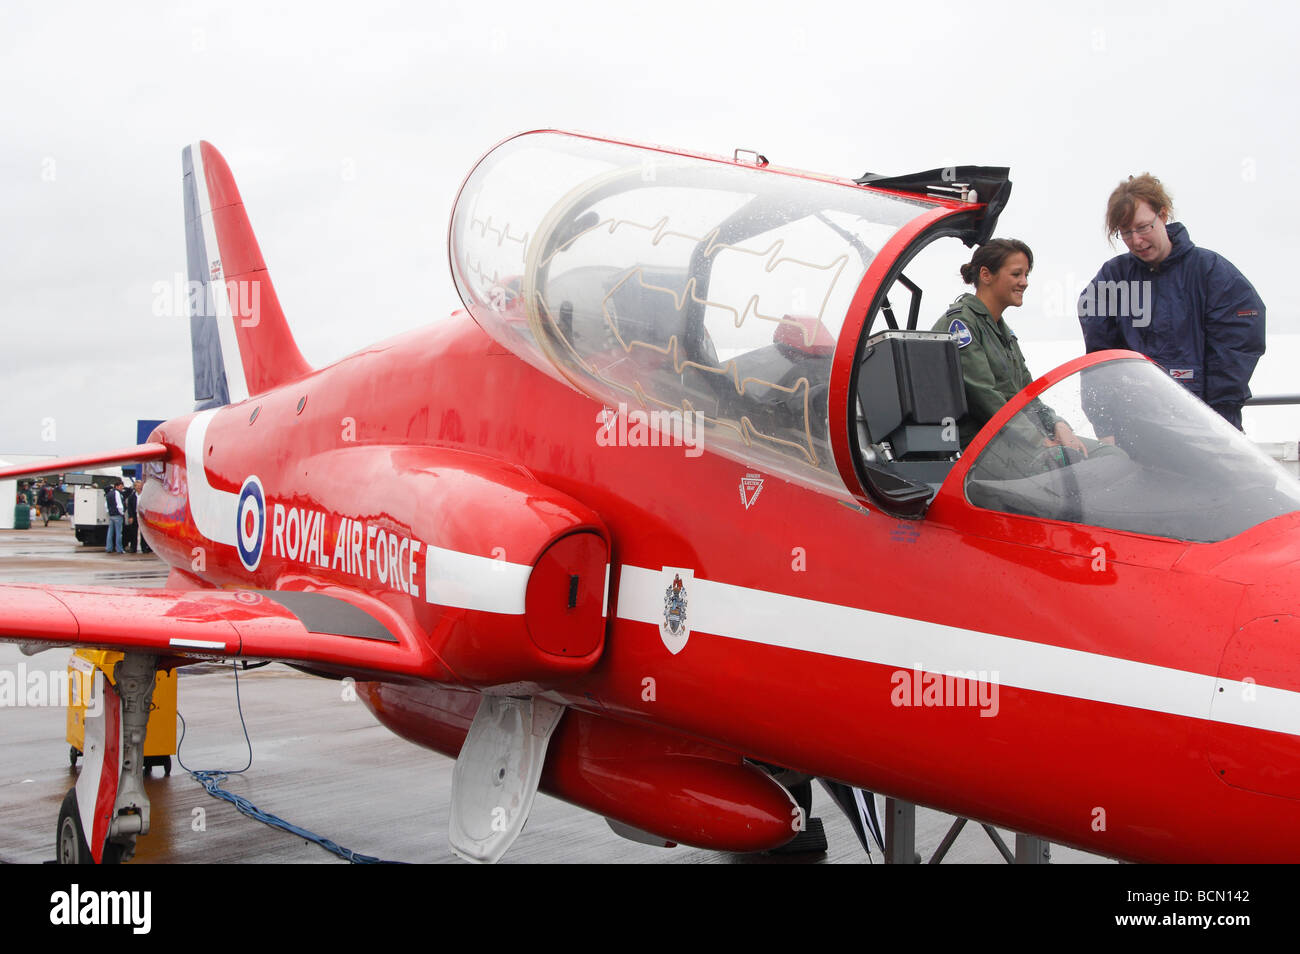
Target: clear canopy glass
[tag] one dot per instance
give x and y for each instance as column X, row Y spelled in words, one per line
column 674, row 284
column 1156, row 460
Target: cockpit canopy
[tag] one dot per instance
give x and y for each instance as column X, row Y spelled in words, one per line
column 673, row 283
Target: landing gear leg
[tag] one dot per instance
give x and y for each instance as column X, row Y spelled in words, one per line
column 103, row 814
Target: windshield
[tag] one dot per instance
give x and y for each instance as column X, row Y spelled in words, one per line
column 1157, row 461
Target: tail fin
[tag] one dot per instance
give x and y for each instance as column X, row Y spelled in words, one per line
column 241, row 343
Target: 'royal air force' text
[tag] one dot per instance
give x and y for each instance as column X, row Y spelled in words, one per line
column 371, row 552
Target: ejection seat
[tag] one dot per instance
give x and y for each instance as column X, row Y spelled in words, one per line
column 910, row 397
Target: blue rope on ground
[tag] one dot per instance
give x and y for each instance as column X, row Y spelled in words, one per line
column 213, row 779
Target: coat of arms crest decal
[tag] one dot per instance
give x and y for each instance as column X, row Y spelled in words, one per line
column 675, row 628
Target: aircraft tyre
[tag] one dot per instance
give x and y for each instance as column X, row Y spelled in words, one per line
column 70, row 838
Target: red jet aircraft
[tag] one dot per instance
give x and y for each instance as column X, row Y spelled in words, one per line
column 678, row 502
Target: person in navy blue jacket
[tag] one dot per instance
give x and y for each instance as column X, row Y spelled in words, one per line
column 1185, row 307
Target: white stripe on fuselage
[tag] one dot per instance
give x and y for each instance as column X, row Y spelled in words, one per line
column 791, row 622
column 215, row 512
column 466, row 581
column 236, row 385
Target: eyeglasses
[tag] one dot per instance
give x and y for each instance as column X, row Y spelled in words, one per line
column 1141, row 230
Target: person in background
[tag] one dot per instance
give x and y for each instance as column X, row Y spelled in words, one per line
column 116, row 518
column 130, row 532
column 46, row 501
column 34, row 497
column 1187, row 308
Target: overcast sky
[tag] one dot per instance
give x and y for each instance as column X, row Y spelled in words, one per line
column 349, row 128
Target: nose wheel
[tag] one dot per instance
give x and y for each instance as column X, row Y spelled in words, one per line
column 70, row 838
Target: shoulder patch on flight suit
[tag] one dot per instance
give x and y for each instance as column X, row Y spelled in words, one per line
column 957, row 328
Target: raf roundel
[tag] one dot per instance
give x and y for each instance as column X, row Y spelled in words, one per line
column 251, row 514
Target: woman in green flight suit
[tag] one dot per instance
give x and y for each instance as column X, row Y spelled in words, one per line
column 993, row 369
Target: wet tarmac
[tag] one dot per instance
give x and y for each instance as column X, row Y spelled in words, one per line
column 319, row 761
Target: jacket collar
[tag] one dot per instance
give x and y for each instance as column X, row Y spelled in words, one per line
column 1181, row 244
column 973, row 302
column 1000, row 326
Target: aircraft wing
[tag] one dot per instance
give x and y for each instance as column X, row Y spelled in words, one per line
column 126, row 455
column 314, row 630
